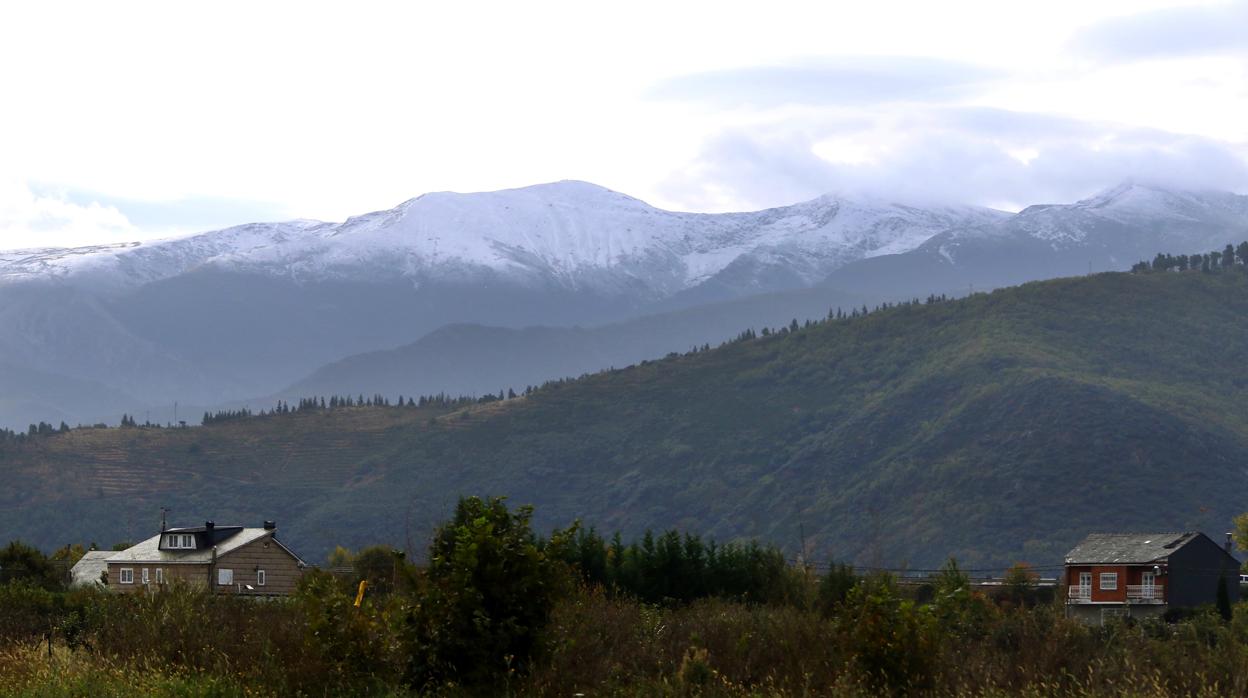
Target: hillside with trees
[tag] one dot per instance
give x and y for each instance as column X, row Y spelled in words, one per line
column 995, row 428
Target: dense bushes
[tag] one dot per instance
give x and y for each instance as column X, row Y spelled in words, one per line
column 496, row 610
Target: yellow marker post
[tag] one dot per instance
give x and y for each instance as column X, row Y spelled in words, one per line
column 359, row 595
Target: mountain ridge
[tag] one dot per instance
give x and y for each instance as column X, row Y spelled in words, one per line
column 260, row 308
column 996, row 428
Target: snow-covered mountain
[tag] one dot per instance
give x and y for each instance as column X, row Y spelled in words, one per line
column 1107, row 232
column 570, row 234
column 235, row 313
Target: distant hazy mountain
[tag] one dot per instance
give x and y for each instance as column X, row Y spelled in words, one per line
column 476, row 359
column 245, row 311
column 997, row 428
column 1107, row 232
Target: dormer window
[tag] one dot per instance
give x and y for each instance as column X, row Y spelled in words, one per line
column 180, row 541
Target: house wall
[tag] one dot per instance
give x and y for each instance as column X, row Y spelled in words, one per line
column 1101, row 595
column 282, row 572
column 1194, row 570
column 1128, row 575
column 189, row 573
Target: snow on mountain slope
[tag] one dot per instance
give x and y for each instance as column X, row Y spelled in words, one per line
column 1133, row 218
column 573, row 234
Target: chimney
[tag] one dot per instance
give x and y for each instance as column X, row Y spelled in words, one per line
column 1229, row 537
column 209, row 525
column 270, row 525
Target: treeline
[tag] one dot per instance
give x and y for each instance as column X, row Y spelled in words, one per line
column 1227, row 257
column 837, row 314
column 671, row 568
column 377, row 400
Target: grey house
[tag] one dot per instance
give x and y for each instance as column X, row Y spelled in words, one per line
column 1144, row 574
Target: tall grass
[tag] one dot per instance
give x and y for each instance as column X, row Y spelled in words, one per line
column 875, row 641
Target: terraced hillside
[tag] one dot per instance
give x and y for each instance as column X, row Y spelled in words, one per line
column 996, row 428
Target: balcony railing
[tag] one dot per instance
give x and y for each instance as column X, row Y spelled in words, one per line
column 1146, row 593
column 1136, row 593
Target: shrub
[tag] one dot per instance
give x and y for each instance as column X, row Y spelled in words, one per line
column 489, row 593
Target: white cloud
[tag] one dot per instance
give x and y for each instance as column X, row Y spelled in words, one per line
column 28, row 219
column 324, row 111
column 1219, row 28
column 949, row 154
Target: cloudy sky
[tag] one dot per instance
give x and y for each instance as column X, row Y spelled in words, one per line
column 150, row 119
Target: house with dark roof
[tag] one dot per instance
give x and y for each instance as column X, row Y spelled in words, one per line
column 226, row 559
column 1144, row 574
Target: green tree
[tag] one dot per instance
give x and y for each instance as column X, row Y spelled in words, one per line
column 22, row 563
column 1019, row 585
column 1224, row 599
column 340, row 557
column 381, row 567
column 490, row 591
column 835, row 586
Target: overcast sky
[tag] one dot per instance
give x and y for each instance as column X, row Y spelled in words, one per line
column 149, row 119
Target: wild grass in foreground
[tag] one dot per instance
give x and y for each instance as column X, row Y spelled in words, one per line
column 498, row 612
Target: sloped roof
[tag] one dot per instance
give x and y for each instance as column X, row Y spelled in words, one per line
column 149, row 550
column 1127, row 548
column 87, row 570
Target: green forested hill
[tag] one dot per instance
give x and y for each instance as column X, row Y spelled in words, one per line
column 996, row 428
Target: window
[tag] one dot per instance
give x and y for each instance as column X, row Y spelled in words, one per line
column 160, row 575
column 125, row 575
column 1109, row 581
column 259, row 578
column 180, row 541
column 146, row 579
column 225, row 577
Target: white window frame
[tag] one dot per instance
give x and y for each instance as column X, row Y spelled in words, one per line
column 1085, row 585
column 1108, row 581
column 225, row 577
column 180, row 541
column 125, row 575
column 146, row 576
column 260, row 578
column 160, row 575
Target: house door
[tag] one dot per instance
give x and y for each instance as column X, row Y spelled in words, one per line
column 1147, row 585
column 1085, row 585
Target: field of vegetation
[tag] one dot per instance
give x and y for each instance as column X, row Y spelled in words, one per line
column 498, row 611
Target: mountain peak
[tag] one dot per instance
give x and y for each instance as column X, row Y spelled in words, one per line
column 1134, row 193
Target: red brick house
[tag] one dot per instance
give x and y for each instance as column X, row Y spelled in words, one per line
column 1144, row 574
